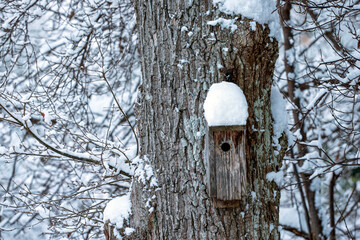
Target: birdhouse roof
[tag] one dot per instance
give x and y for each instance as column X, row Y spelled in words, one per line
column 225, row 105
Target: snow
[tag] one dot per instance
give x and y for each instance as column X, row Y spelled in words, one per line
column 3, row 150
column 262, row 11
column 120, row 162
column 144, row 171
column 279, row 114
column 253, row 195
column 47, row 116
column 278, row 111
column 311, row 162
column 277, row 177
column 271, row 227
column 42, row 211
column 118, row 210
column 290, row 217
column 184, row 29
column 27, row 117
column 129, row 231
column 224, row 23
column 99, row 103
column 317, row 98
column 253, row 25
column 225, row 105
column 25, row 98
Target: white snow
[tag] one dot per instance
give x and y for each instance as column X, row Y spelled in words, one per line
column 279, row 114
column 3, row 150
column 42, row 211
column 183, row 61
column 311, row 162
column 129, row 231
column 253, row 194
column 271, row 227
column 121, row 162
column 225, row 105
column 291, row 217
column 27, row 117
column 144, row 171
column 25, row 98
column 317, row 98
column 184, row 29
column 262, row 11
column 253, row 25
column 277, row 177
column 118, row 210
column 47, row 116
column 224, row 23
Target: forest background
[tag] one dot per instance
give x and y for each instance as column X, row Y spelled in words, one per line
column 69, row 76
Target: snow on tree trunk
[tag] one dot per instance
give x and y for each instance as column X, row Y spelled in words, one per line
column 182, row 56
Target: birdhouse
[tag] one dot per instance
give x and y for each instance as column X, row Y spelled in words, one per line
column 225, row 144
column 226, row 164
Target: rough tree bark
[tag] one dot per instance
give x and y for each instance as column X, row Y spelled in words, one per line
column 181, row 57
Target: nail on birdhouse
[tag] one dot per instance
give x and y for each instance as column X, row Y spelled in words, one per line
column 225, row 110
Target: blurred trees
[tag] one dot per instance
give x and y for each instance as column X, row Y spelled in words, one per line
column 319, row 73
column 68, row 75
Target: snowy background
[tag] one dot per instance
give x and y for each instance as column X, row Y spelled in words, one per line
column 69, row 73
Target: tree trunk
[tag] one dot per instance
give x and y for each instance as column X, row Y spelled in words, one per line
column 312, row 216
column 181, row 57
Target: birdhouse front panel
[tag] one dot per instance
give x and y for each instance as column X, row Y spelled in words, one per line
column 227, row 162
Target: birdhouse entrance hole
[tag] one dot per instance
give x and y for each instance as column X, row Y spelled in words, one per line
column 225, row 146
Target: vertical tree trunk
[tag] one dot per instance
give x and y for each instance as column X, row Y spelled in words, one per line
column 314, row 226
column 181, row 57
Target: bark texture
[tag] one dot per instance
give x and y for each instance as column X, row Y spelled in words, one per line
column 181, row 57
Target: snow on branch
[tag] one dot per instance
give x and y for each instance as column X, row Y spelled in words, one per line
column 117, row 211
column 88, row 158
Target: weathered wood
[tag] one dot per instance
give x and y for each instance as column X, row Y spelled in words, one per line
column 227, row 164
column 210, row 165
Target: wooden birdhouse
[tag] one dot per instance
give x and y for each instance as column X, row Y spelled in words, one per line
column 226, row 144
column 226, row 164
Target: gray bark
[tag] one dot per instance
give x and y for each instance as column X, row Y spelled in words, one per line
column 178, row 68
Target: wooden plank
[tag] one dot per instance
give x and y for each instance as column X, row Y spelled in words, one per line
column 211, row 164
column 243, row 165
column 227, row 157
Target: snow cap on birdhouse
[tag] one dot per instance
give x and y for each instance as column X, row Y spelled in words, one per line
column 225, row 105
column 226, row 113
